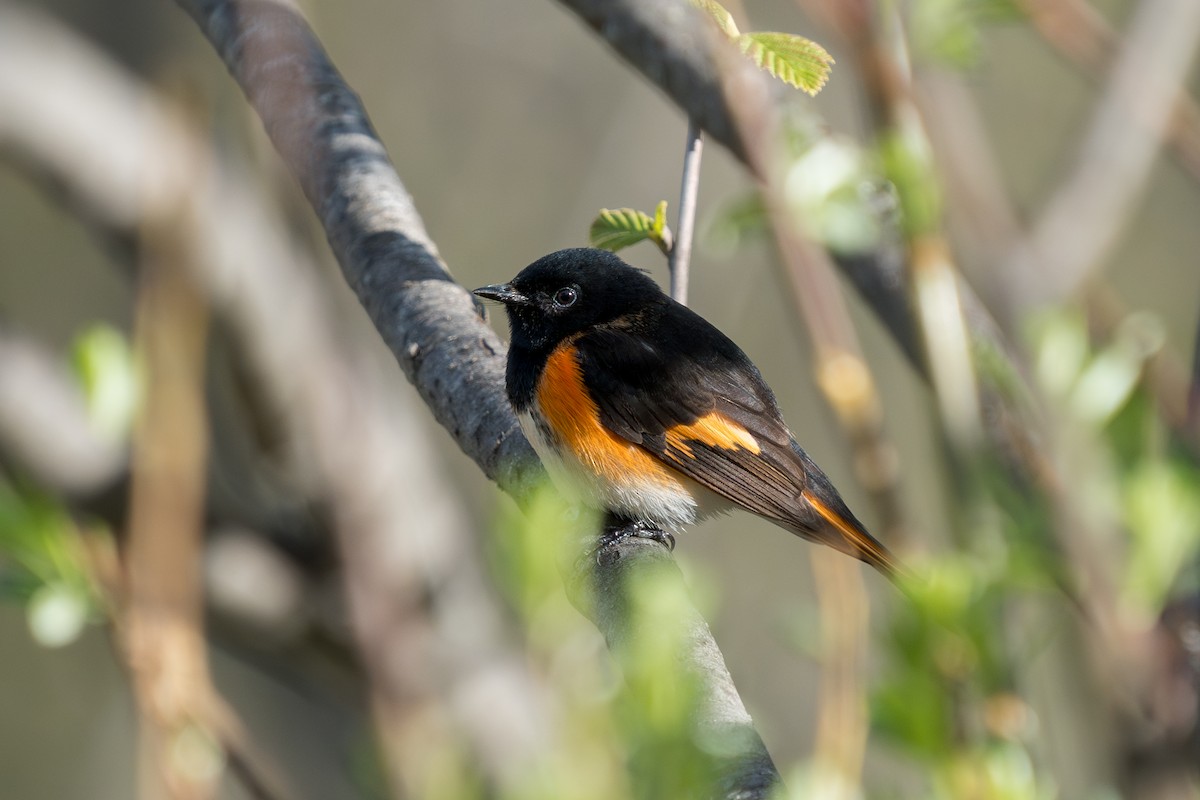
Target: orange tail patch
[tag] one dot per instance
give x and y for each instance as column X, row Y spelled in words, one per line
column 855, row 541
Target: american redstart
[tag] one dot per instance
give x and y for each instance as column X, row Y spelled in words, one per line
column 640, row 407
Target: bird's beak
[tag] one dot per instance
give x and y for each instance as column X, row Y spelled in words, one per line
column 504, row 292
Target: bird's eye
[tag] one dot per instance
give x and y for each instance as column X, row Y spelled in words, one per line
column 565, row 297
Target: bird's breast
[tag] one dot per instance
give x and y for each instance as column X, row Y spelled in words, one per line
column 592, row 464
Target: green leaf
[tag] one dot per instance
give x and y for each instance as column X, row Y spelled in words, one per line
column 104, row 363
column 1162, row 511
column 42, row 564
column 793, row 59
column 660, row 219
column 615, row 229
column 722, row 17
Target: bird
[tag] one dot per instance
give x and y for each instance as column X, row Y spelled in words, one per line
column 642, row 409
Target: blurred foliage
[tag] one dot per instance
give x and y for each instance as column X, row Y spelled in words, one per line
column 104, row 364
column 834, row 186
column 628, row 734
column 44, row 553
column 950, row 32
column 44, row 566
column 951, row 696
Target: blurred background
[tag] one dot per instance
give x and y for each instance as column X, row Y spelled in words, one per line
column 511, row 129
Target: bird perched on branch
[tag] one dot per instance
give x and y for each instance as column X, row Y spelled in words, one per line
column 641, row 408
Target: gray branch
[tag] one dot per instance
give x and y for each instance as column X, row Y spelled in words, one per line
column 430, row 323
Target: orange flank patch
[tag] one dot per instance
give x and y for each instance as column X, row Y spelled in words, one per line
column 565, row 404
column 715, row 430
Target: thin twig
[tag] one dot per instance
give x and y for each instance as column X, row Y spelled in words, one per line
column 689, row 190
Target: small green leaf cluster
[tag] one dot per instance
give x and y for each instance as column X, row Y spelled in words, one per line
column 1128, row 472
column 832, row 185
column 43, row 551
column 43, row 566
column 108, row 376
column 616, row 229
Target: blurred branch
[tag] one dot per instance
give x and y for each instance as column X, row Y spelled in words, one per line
column 672, row 44
column 44, row 423
column 162, row 624
column 105, row 143
column 1080, row 33
column 1092, row 206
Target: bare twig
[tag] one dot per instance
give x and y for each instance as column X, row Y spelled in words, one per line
column 681, row 251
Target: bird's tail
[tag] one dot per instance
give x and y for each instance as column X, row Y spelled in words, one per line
column 846, row 534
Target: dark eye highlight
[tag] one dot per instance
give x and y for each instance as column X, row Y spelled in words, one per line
column 566, row 296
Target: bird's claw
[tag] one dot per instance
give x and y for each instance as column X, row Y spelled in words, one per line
column 616, row 530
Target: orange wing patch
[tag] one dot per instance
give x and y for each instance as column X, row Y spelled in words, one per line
column 574, row 417
column 713, row 429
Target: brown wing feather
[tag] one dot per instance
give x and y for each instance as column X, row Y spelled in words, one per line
column 695, row 401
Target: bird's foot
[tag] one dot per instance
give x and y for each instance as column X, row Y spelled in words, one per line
column 617, row 529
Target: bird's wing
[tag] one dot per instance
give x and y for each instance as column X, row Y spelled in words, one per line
column 697, row 403
column 691, row 397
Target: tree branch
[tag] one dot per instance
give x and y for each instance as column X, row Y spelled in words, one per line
column 1088, row 211
column 431, row 325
